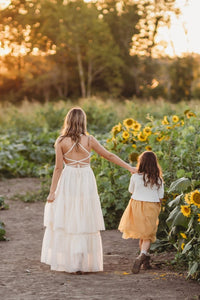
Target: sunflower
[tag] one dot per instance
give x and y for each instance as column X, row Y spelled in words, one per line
column 147, row 131
column 182, row 246
column 133, row 156
column 182, row 123
column 190, row 114
column 160, row 138
column 175, row 119
column 175, row 195
column 165, row 121
column 195, row 198
column 198, row 217
column 116, row 129
column 188, row 198
column 125, row 135
column 128, row 123
column 142, row 137
column 148, row 148
column 136, row 126
column 119, row 126
column 134, row 133
column 183, row 235
column 134, row 146
column 186, row 211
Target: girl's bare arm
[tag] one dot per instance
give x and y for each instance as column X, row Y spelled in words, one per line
column 110, row 156
column 56, row 173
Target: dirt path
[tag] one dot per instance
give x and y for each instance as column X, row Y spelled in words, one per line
column 23, row 277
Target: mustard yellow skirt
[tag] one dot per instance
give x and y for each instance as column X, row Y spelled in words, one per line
column 140, row 220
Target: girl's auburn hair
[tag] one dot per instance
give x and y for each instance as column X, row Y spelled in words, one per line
column 75, row 124
column 148, row 165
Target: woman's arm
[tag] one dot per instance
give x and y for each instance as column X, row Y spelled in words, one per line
column 110, row 156
column 57, row 172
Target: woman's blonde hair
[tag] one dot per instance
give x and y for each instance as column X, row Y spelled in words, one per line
column 75, row 124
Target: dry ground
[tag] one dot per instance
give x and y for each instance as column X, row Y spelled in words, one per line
column 23, row 277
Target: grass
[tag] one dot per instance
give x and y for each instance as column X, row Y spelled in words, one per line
column 104, row 114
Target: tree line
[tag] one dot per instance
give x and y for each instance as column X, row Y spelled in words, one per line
column 62, row 48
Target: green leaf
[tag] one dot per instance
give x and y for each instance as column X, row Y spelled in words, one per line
column 193, row 268
column 180, row 220
column 190, row 224
column 175, row 201
column 172, row 215
column 187, row 247
column 2, row 231
column 180, row 185
column 180, row 173
column 176, row 218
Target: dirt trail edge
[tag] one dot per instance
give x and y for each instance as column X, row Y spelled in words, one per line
column 23, row 277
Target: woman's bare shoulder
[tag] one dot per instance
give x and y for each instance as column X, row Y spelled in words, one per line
column 62, row 141
column 92, row 138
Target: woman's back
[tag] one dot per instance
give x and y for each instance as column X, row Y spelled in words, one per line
column 74, row 155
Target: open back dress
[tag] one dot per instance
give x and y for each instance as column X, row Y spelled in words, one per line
column 72, row 240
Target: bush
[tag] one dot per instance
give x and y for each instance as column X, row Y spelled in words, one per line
column 2, row 226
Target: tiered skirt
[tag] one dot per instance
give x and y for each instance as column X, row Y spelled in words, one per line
column 140, row 220
column 72, row 240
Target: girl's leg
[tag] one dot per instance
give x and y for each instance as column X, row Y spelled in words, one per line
column 145, row 246
column 144, row 257
column 140, row 244
column 145, row 249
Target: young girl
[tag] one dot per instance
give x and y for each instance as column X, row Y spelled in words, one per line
column 140, row 219
column 73, row 216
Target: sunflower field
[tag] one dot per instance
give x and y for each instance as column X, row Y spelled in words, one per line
column 28, row 133
column 176, row 141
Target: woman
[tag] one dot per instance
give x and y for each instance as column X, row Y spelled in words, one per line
column 73, row 216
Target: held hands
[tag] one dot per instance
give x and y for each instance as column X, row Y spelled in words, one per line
column 51, row 197
column 133, row 170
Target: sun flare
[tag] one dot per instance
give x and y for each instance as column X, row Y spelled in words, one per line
column 4, row 4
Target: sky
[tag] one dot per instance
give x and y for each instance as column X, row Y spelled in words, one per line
column 182, row 36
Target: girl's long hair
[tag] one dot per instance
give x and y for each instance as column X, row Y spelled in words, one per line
column 148, row 165
column 74, row 126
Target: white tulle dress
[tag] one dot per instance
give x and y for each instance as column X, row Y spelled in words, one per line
column 72, row 240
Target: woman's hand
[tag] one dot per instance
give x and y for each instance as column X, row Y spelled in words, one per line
column 133, row 170
column 51, row 197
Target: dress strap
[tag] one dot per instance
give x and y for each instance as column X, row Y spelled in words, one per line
column 79, row 161
column 72, row 147
column 84, row 148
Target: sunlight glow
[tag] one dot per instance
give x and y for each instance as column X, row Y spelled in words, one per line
column 4, row 4
column 181, row 37
column 183, row 34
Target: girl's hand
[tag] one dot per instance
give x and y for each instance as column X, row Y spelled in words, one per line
column 133, row 170
column 51, row 197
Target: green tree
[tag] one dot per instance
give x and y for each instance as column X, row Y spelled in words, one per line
column 181, row 77
column 76, row 29
column 122, row 18
column 74, row 40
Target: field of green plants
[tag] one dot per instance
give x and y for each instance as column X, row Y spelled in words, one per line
column 28, row 132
